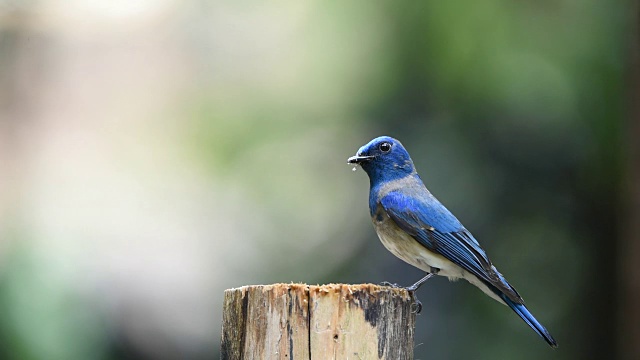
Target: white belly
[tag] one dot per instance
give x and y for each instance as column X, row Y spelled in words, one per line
column 411, row 251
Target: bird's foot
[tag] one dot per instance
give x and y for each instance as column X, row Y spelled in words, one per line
column 416, row 306
column 412, row 289
column 393, row 285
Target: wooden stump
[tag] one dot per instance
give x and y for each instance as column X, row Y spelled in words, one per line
column 336, row 321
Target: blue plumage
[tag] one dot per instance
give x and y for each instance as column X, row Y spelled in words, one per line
column 416, row 227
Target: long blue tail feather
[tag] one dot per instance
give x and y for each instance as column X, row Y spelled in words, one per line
column 524, row 313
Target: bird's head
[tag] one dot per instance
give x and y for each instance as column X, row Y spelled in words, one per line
column 383, row 159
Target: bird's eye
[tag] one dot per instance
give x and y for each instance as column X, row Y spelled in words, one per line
column 385, row 147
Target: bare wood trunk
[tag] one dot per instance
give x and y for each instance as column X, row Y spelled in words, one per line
column 337, row 321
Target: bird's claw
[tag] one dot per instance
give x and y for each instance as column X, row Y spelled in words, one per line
column 416, row 307
column 411, row 288
column 393, row 285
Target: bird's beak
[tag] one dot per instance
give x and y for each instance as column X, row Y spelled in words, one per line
column 359, row 159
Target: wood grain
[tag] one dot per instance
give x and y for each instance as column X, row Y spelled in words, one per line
column 335, row 321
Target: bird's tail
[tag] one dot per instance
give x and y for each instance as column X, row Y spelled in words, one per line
column 524, row 313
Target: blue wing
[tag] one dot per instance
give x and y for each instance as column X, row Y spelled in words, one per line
column 432, row 225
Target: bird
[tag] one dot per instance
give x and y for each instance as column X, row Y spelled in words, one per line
column 417, row 228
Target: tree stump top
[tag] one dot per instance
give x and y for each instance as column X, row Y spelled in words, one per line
column 334, row 321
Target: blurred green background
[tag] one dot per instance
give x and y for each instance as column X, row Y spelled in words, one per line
column 155, row 153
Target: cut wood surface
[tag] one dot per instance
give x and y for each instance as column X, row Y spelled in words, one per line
column 335, row 321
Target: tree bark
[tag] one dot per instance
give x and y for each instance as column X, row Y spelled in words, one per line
column 337, row 321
